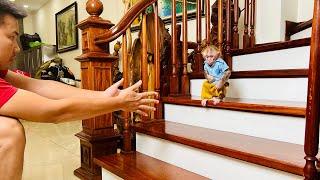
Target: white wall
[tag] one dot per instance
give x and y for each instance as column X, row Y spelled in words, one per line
column 43, row 22
column 28, row 23
column 289, row 12
column 268, row 21
column 305, row 10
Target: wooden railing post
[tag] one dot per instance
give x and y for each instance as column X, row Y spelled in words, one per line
column 174, row 80
column 220, row 25
column 185, row 78
column 208, row 21
column 252, row 23
column 158, row 113
column 311, row 145
column 98, row 137
column 235, row 36
column 246, row 28
column 228, row 39
column 197, row 66
column 126, row 115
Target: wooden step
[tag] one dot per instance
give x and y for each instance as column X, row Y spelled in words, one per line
column 139, row 166
column 279, row 73
column 274, row 154
column 272, row 46
column 288, row 108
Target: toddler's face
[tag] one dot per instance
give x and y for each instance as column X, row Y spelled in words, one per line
column 211, row 57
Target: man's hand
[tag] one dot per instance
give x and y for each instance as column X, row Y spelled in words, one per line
column 113, row 90
column 137, row 102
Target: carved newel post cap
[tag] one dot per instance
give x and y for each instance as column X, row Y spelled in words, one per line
column 94, row 7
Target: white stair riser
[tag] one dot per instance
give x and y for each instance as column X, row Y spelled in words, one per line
column 282, row 89
column 107, row 175
column 211, row 165
column 274, row 127
column 293, row 58
column 303, row 34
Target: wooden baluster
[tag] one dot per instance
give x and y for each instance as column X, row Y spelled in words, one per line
column 220, row 25
column 252, row 23
column 235, row 37
column 158, row 113
column 174, row 89
column 185, row 77
column 208, row 21
column 228, row 40
column 246, row 29
column 198, row 59
column 126, row 115
column 144, row 60
column 311, row 144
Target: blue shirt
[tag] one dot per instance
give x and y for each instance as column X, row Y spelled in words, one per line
column 217, row 69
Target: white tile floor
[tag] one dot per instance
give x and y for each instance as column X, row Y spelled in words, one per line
column 52, row 151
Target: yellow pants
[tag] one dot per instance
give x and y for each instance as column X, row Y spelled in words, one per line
column 209, row 90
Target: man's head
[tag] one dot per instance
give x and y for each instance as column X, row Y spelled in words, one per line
column 9, row 31
column 210, row 54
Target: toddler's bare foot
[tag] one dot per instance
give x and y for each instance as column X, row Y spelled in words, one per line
column 204, row 102
column 216, row 100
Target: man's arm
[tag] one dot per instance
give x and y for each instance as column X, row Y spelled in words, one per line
column 30, row 106
column 56, row 90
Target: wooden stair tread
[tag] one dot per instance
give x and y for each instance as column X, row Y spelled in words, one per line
column 274, row 154
column 272, row 46
column 276, row 73
column 139, row 166
column 289, row 108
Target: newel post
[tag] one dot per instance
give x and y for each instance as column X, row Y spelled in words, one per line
column 311, row 144
column 98, row 136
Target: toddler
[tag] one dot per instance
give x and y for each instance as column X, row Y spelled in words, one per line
column 217, row 73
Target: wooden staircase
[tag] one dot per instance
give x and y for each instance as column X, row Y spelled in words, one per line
column 259, row 136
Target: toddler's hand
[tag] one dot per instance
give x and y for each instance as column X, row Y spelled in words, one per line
column 219, row 84
column 210, row 78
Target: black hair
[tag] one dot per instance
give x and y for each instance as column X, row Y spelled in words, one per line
column 7, row 7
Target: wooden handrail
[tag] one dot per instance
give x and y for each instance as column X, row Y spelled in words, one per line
column 124, row 23
column 293, row 27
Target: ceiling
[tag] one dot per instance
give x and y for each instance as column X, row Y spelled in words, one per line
column 33, row 4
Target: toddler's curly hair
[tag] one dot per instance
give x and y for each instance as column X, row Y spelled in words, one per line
column 210, row 48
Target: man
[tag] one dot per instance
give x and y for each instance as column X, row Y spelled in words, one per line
column 46, row 101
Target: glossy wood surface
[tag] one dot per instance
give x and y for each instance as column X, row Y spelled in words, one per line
column 207, row 7
column 281, row 73
column 228, row 38
column 272, row 47
column 98, row 136
column 289, row 108
column 235, row 42
column 246, row 25
column 174, row 89
column 185, row 82
column 274, row 154
column 137, row 166
column 252, row 23
column 220, row 26
column 313, row 98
